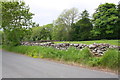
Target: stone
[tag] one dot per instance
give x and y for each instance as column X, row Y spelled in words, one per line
column 92, row 46
column 96, row 49
column 76, row 45
column 99, row 51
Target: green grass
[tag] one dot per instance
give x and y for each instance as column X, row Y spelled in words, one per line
column 109, row 60
column 112, row 42
column 72, row 54
column 0, row 46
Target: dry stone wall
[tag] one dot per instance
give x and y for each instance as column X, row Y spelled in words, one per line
column 96, row 49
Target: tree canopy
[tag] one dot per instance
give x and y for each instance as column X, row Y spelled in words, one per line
column 81, row 29
column 64, row 22
column 16, row 19
column 42, row 33
column 105, row 19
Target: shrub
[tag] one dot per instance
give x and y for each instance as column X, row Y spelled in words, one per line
column 110, row 59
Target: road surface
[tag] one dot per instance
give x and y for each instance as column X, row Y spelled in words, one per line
column 21, row 66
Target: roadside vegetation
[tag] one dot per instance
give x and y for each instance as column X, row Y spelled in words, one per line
column 0, row 46
column 108, row 60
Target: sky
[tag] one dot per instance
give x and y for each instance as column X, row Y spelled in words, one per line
column 48, row 10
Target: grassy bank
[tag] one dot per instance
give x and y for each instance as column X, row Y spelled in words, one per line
column 0, row 46
column 84, row 57
column 112, row 42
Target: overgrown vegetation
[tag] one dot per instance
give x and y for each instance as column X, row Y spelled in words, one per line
column 109, row 60
column 0, row 46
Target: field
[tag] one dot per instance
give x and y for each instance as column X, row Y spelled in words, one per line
column 112, row 42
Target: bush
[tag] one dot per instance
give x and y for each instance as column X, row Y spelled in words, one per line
column 110, row 59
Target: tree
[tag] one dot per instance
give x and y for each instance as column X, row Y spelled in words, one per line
column 16, row 19
column 64, row 22
column 1, row 33
column 59, row 33
column 105, row 19
column 49, row 28
column 82, row 28
column 34, row 24
column 117, row 28
column 84, row 14
column 68, row 17
column 42, row 33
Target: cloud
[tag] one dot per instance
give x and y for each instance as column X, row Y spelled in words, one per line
column 47, row 10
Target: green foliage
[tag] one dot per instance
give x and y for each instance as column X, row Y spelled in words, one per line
column 104, row 25
column 94, row 61
column 59, row 33
column 110, row 59
column 42, row 33
column 62, row 26
column 0, row 46
column 15, row 21
column 84, row 14
column 84, row 56
column 81, row 29
column 71, row 54
column 1, row 33
column 70, row 25
column 106, row 21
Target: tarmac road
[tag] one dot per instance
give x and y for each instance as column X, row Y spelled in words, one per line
column 21, row 66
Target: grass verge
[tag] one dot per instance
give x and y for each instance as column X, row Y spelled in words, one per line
column 0, row 46
column 109, row 60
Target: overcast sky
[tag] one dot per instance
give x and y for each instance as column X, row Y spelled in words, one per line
column 48, row 10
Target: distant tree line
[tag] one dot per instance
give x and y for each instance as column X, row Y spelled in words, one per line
column 70, row 25
column 74, row 26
